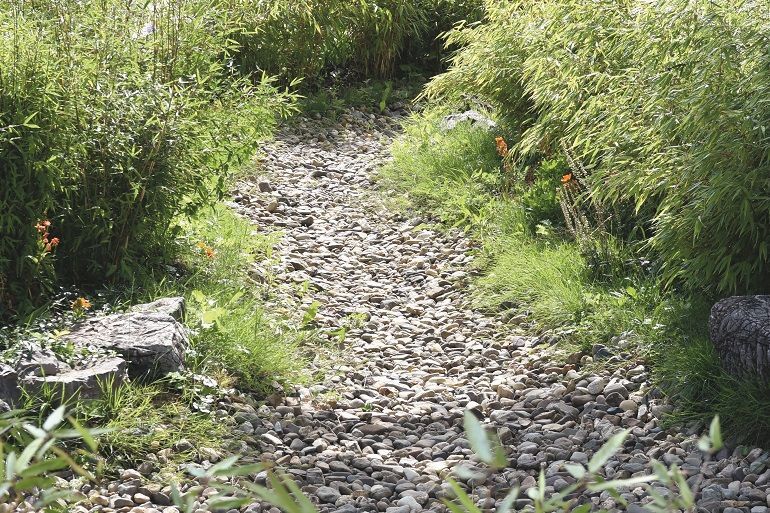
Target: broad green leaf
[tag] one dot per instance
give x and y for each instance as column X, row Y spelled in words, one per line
column 10, row 465
column 223, row 466
column 622, row 483
column 302, row 501
column 477, row 437
column 27, row 454
column 661, row 472
column 28, row 483
column 684, row 489
column 575, row 470
column 86, row 434
column 715, row 433
column 285, row 500
column 44, row 466
column 198, row 296
column 463, row 497
column 507, row 504
column 56, row 418
column 35, row 431
column 607, row 451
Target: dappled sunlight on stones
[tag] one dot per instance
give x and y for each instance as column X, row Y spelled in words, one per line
column 383, row 428
column 419, row 356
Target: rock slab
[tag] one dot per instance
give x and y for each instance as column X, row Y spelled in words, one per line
column 9, row 384
column 153, row 344
column 86, row 383
column 173, row 306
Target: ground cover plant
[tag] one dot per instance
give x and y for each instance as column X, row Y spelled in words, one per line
column 673, row 138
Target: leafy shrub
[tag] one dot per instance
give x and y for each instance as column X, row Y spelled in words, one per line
column 305, row 39
column 293, row 40
column 30, row 454
column 539, row 199
column 443, row 15
column 27, row 99
column 664, row 106
column 382, row 30
column 114, row 120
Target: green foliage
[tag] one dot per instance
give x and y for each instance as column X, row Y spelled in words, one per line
column 663, row 104
column 294, row 40
column 547, row 279
column 141, row 419
column 383, row 29
column 453, row 174
column 306, row 39
column 539, row 199
column 700, row 389
column 30, row 454
column 115, row 119
column 232, row 334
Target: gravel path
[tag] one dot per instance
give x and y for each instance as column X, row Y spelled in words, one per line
column 384, row 426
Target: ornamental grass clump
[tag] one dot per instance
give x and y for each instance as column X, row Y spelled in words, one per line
column 663, row 103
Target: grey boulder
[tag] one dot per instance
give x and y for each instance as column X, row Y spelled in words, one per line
column 37, row 361
column 739, row 328
column 173, row 306
column 153, row 344
column 88, row 383
column 9, row 384
column 475, row 118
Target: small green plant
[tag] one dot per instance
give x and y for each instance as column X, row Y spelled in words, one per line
column 30, row 454
column 539, row 198
column 310, row 314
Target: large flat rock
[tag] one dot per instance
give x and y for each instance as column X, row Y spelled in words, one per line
column 153, row 344
column 173, row 306
column 88, row 383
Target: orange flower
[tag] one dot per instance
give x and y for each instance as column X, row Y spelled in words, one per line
column 42, row 226
column 81, row 304
column 502, row 147
column 567, row 178
column 209, row 252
